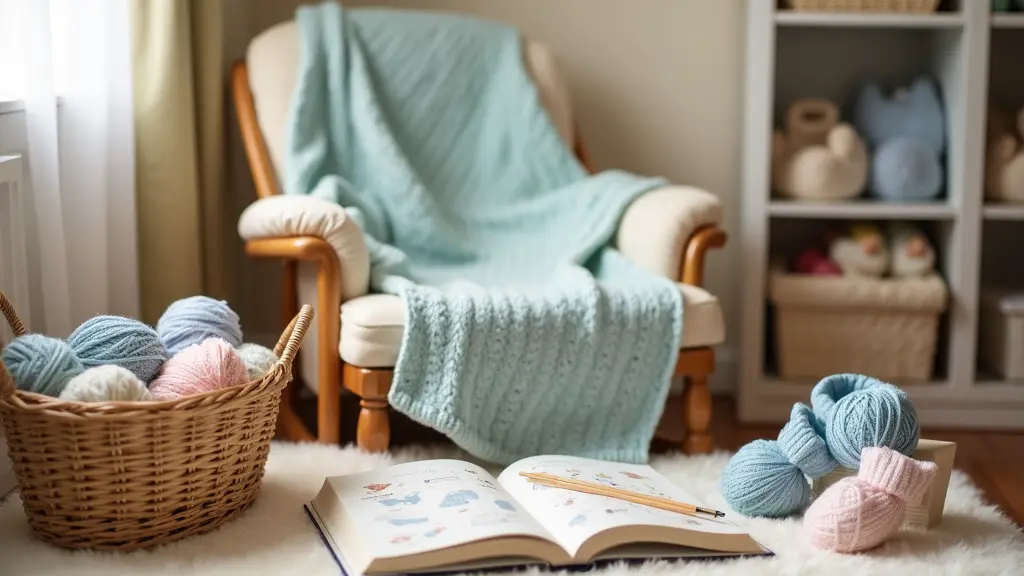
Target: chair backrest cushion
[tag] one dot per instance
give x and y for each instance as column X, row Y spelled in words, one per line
column 273, row 64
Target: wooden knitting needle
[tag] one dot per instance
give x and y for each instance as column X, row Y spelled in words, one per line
column 619, row 493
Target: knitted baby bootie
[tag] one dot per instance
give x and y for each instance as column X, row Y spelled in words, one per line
column 861, row 512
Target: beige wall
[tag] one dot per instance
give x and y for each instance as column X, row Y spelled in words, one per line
column 656, row 84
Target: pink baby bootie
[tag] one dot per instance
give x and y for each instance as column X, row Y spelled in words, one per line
column 861, row 512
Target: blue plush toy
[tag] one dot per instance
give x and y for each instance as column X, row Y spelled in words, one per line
column 906, row 133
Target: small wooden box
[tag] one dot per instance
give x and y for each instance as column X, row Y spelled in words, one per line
column 929, row 513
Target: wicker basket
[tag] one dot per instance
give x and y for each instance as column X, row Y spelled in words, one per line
column 886, row 328
column 131, row 475
column 917, row 6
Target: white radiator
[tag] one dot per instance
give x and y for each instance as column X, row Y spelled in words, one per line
column 13, row 271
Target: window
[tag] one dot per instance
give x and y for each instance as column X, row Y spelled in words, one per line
column 20, row 49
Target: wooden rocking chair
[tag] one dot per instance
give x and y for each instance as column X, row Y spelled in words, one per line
column 667, row 231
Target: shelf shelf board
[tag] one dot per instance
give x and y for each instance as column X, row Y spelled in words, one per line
column 1003, row 211
column 862, row 209
column 869, row 20
column 937, row 390
column 1008, row 20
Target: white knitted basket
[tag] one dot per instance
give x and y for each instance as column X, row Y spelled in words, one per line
column 884, row 327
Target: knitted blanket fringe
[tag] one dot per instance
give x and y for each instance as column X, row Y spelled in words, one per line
column 525, row 333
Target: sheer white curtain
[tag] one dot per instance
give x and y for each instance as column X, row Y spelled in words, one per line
column 69, row 61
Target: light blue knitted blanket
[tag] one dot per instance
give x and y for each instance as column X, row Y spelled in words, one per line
column 524, row 333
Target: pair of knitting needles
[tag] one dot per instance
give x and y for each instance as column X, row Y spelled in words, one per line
column 628, row 495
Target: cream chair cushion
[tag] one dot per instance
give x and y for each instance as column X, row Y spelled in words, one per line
column 273, row 64
column 372, row 326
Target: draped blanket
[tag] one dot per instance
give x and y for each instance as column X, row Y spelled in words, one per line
column 525, row 333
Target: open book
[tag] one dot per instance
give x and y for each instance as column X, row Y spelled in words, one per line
column 449, row 515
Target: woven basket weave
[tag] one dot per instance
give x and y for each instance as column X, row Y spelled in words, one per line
column 132, row 475
column 917, row 6
column 886, row 328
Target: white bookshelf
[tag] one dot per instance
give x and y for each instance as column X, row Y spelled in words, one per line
column 791, row 55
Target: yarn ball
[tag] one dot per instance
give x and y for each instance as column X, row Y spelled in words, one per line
column 859, row 513
column 877, row 416
column 192, row 320
column 124, row 342
column 904, row 169
column 106, row 383
column 210, row 365
column 258, row 359
column 41, row 364
column 767, row 478
column 832, row 389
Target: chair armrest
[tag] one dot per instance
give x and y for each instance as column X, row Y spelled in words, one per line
column 667, row 231
column 307, row 228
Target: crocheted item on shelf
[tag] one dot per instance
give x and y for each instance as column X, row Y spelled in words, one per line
column 524, row 334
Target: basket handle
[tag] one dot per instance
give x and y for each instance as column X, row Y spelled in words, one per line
column 291, row 338
column 17, row 326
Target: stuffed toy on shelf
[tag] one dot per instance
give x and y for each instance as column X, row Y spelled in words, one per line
column 860, row 251
column 1004, row 162
column 906, row 133
column 899, row 250
column 817, row 157
column 912, row 254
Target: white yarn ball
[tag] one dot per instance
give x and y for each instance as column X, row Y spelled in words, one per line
column 258, row 360
column 107, row 383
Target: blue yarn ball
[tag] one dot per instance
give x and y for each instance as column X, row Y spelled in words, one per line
column 766, row 478
column 904, row 169
column 191, row 320
column 832, row 389
column 877, row 416
column 41, row 364
column 120, row 341
column 760, row 481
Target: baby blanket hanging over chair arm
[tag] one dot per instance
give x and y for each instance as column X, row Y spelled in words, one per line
column 665, row 231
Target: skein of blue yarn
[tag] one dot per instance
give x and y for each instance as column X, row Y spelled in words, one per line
column 877, row 416
column 191, row 320
column 831, row 389
column 766, row 478
column 120, row 341
column 41, row 364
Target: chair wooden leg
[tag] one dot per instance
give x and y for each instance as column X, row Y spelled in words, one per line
column 696, row 364
column 373, row 433
column 328, row 335
column 697, row 406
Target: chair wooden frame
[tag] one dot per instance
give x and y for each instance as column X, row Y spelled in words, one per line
column 372, row 384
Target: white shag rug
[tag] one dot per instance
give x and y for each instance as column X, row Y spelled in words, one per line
column 275, row 536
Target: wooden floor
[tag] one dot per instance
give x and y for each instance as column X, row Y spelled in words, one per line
column 994, row 460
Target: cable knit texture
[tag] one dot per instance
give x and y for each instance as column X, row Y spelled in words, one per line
column 766, row 478
column 524, row 333
column 831, row 389
column 861, row 512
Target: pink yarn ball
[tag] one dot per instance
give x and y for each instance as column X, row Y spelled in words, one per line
column 859, row 513
column 209, row 365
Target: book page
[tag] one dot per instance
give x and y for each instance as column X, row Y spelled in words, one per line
column 573, row 517
column 422, row 506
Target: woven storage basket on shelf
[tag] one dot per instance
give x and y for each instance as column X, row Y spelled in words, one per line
column 131, row 475
column 886, row 328
column 863, row 5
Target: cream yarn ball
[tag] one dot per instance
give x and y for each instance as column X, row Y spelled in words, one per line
column 258, row 359
column 106, row 383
